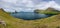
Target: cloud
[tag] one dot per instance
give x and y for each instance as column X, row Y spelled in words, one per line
column 30, row 4
column 42, row 5
column 10, row 1
column 27, row 5
column 57, row 1
column 45, row 5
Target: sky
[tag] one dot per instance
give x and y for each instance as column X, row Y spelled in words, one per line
column 28, row 5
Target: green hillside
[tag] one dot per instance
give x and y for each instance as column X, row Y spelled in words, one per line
column 50, row 22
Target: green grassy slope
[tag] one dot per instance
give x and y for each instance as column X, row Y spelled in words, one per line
column 50, row 22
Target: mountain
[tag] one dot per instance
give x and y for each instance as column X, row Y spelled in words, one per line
column 1, row 9
column 50, row 22
column 49, row 10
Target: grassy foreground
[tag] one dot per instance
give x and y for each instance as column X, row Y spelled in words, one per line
column 50, row 22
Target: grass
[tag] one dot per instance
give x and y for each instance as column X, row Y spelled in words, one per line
column 50, row 22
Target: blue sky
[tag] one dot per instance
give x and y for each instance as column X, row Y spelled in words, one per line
column 28, row 5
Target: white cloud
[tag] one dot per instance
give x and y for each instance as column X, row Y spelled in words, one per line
column 25, row 1
column 42, row 5
column 45, row 5
column 30, row 4
column 26, row 5
column 10, row 1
